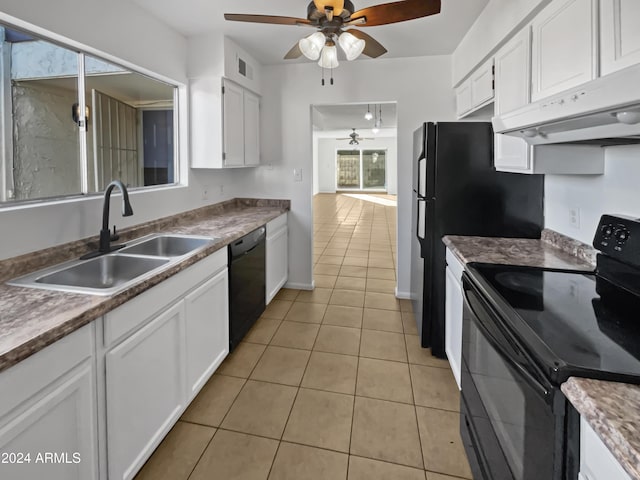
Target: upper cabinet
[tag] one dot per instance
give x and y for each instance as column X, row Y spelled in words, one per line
column 240, row 126
column 564, row 37
column 619, row 34
column 475, row 92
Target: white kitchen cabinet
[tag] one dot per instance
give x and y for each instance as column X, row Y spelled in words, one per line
column 277, row 256
column 207, row 330
column 513, row 90
column 475, row 92
column 564, row 46
column 619, row 34
column 146, row 391
column 463, row 98
column 596, row 460
column 48, row 406
column 453, row 313
column 240, row 126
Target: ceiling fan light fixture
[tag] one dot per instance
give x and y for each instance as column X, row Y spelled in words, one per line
column 375, row 130
column 352, row 45
column 329, row 57
column 311, row 46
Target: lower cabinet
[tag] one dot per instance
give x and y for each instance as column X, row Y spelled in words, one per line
column 596, row 460
column 277, row 254
column 48, row 414
column 453, row 314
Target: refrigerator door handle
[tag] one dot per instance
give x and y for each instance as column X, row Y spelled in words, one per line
column 422, row 177
column 422, row 218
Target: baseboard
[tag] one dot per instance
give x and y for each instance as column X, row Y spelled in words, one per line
column 403, row 295
column 300, row 286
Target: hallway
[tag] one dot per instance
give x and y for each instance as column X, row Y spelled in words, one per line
column 331, row 383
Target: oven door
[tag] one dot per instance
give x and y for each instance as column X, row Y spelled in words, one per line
column 508, row 421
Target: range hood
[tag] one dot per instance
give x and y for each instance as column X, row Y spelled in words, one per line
column 605, row 111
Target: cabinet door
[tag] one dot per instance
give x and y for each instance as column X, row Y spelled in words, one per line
column 207, row 330
column 277, row 264
column 453, row 322
column 251, row 129
column 233, row 125
column 60, row 420
column 145, row 391
column 463, row 98
column 564, row 46
column 619, row 34
column 596, row 460
column 482, row 85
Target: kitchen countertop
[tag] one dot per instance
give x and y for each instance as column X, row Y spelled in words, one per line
column 613, row 411
column 31, row 319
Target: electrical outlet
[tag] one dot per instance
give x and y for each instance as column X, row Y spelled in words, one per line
column 205, row 192
column 297, row 174
column 574, row 217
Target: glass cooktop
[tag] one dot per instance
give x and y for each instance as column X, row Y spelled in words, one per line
column 590, row 325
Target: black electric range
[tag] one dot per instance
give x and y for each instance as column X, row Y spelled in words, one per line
column 526, row 331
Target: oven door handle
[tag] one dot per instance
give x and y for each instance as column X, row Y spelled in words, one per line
column 542, row 388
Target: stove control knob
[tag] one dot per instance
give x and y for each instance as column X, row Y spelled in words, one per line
column 607, row 231
column 622, row 235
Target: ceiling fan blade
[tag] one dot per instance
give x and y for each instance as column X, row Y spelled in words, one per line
column 295, row 52
column 394, row 12
column 273, row 19
column 372, row 48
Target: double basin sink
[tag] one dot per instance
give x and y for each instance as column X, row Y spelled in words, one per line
column 116, row 271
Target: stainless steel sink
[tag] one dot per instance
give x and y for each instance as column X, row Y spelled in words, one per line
column 168, row 245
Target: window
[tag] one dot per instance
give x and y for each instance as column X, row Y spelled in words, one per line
column 361, row 170
column 71, row 123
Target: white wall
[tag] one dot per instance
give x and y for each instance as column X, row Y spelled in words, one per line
column 123, row 33
column 614, row 192
column 422, row 88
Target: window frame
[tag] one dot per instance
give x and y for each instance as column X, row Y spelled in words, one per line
column 180, row 101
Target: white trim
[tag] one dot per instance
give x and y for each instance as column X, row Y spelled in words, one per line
column 300, row 286
column 402, row 295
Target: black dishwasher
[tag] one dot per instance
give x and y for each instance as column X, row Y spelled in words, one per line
column 246, row 284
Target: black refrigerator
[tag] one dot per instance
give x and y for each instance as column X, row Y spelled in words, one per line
column 457, row 191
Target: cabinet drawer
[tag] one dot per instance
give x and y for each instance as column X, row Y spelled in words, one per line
column 133, row 314
column 276, row 224
column 596, row 460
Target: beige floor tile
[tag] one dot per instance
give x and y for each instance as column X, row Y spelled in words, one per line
column 333, row 339
column 336, row 252
column 331, row 372
column 353, row 271
column 357, row 253
column 381, row 286
column 324, row 281
column 306, row 312
column 286, row 294
column 263, row 330
column 406, row 305
column 320, row 419
column 316, row 258
column 441, row 443
column 338, row 243
column 384, row 301
column 277, row 309
column 355, row 261
column 409, row 323
column 440, row 476
column 296, row 335
column 435, row 387
column 383, row 345
column 261, row 409
column 178, row 454
column 422, row 356
column 317, row 295
column 330, row 259
column 235, row 456
column 386, row 431
column 242, row 360
column 384, row 380
column 367, row 469
column 214, row 400
column 381, row 273
column 381, row 262
column 351, row 283
column 385, row 320
column 343, row 316
column 347, row 298
column 281, row 365
column 359, row 245
column 297, row 462
column 324, row 269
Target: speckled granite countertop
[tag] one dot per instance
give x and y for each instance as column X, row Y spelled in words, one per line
column 518, row 251
column 613, row 411
column 31, row 319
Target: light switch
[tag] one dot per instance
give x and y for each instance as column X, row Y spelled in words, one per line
column 297, row 174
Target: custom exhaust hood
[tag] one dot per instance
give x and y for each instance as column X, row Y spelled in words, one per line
column 605, row 111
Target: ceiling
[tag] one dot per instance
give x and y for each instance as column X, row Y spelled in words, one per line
column 346, row 117
column 434, row 35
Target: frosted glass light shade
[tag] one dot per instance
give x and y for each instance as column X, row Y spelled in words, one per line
column 311, row 46
column 329, row 57
column 352, row 45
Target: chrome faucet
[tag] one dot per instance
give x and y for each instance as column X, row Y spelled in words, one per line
column 105, row 234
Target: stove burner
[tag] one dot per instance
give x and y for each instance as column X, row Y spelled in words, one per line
column 523, row 282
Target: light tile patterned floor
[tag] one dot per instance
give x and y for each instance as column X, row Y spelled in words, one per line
column 330, row 384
